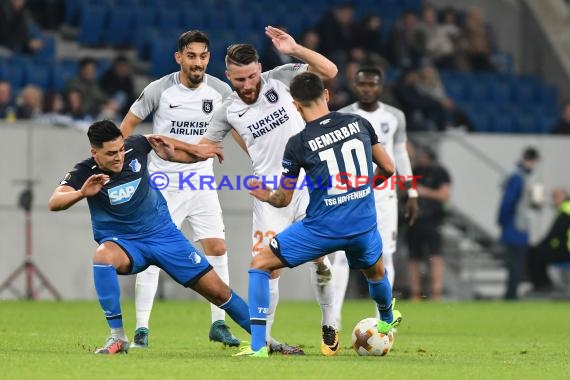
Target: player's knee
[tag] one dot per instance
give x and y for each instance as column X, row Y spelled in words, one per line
column 258, row 263
column 103, row 256
column 220, row 296
column 215, row 247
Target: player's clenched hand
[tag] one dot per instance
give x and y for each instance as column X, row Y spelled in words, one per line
column 163, row 148
column 94, row 184
column 205, row 151
column 282, row 41
column 259, row 190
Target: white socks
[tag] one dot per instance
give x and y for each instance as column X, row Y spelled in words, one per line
column 220, row 264
column 145, row 290
column 324, row 291
column 341, row 272
column 273, row 301
column 119, row 334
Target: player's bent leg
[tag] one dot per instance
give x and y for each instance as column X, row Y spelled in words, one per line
column 381, row 292
column 211, row 287
column 110, row 259
column 146, row 286
column 215, row 251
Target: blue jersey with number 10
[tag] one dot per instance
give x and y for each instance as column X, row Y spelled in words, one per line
column 335, row 150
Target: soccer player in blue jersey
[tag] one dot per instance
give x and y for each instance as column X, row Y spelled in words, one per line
column 333, row 149
column 132, row 225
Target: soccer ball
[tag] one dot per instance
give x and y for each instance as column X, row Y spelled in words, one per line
column 367, row 341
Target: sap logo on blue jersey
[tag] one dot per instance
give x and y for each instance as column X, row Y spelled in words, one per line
column 123, row 193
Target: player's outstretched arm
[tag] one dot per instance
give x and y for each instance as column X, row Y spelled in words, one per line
column 286, row 44
column 280, row 197
column 382, row 159
column 66, row 196
column 129, row 124
column 179, row 151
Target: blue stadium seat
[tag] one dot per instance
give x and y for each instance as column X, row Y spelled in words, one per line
column 14, row 71
column 501, row 122
column 478, row 93
column 92, row 24
column 500, row 93
column 168, row 18
column 120, row 27
column 524, row 93
column 63, row 72
column 161, row 56
column 47, row 52
column 194, row 19
column 479, row 117
column 455, row 90
column 526, row 122
column 39, row 74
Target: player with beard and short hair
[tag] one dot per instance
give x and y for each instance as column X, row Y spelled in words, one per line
column 261, row 116
column 183, row 103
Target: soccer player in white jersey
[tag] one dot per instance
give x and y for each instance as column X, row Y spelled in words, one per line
column 183, row 103
column 261, row 113
column 390, row 126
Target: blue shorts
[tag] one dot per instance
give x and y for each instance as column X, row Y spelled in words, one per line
column 169, row 250
column 297, row 245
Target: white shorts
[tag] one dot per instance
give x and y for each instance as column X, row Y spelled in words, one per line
column 268, row 221
column 387, row 218
column 202, row 210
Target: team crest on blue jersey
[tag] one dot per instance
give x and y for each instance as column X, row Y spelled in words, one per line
column 384, row 127
column 123, row 193
column 135, row 165
column 207, row 105
column 271, row 96
column 195, row 258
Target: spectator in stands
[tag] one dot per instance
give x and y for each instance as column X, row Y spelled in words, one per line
column 92, row 97
column 74, row 106
column 563, row 125
column 408, row 41
column 440, row 45
column 272, row 57
column 477, row 41
column 424, row 236
column 448, row 115
column 422, row 111
column 118, row 83
column 15, row 23
column 514, row 219
column 7, row 111
column 341, row 87
column 29, row 103
column 336, row 31
column 555, row 247
column 310, row 39
column 367, row 44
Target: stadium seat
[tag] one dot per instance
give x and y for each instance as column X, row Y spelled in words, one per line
column 478, row 93
column 39, row 74
column 455, row 90
column 500, row 93
column 161, row 52
column 526, row 122
column 524, row 93
column 14, row 71
column 501, row 122
column 120, row 27
column 63, row 72
column 92, row 24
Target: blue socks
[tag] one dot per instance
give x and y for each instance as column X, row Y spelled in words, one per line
column 237, row 310
column 109, row 293
column 258, row 299
column 381, row 292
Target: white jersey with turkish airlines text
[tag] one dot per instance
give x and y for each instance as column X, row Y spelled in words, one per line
column 266, row 125
column 182, row 113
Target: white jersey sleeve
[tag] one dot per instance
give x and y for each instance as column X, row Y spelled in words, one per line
column 401, row 157
column 149, row 98
column 219, row 126
column 286, row 73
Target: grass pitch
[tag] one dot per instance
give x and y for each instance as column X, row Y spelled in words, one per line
column 51, row 340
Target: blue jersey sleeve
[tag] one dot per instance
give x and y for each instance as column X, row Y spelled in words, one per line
column 370, row 129
column 138, row 143
column 292, row 162
column 77, row 177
